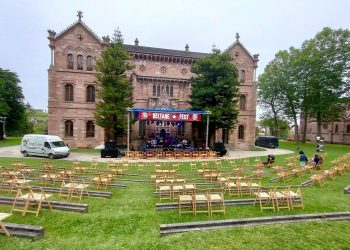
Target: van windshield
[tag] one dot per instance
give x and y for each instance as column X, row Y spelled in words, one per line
column 57, row 144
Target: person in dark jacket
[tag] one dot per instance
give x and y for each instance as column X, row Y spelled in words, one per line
column 270, row 160
column 317, row 160
column 303, row 159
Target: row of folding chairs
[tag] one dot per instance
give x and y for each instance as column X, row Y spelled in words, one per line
column 206, row 201
column 277, row 198
column 321, row 178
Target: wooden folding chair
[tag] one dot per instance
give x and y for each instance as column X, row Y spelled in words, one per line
column 265, row 199
column 29, row 198
column 232, row 187
column 4, row 216
column 216, row 201
column 193, row 165
column 281, row 199
column 185, row 204
column 94, row 164
column 165, row 190
column 78, row 190
column 201, row 202
column 67, row 187
column 102, row 180
column 293, row 196
column 50, row 177
column 16, row 181
column 176, row 166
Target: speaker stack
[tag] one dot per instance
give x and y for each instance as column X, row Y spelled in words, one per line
column 110, row 150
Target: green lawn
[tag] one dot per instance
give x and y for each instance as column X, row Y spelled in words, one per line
column 129, row 220
column 10, row 141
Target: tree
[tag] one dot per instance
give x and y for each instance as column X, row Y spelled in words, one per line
column 278, row 89
column 282, row 128
column 216, row 89
column 114, row 88
column 327, row 58
column 12, row 103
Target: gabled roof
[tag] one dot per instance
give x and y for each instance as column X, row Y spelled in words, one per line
column 75, row 24
column 160, row 51
column 236, row 43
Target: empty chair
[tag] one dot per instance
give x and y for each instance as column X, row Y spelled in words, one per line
column 29, row 198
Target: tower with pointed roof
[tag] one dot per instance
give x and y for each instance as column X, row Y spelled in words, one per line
column 161, row 80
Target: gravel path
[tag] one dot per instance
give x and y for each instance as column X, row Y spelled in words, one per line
column 14, row 151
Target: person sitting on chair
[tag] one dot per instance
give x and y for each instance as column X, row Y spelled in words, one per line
column 317, row 160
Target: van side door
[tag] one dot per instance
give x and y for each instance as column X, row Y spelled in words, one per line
column 47, row 148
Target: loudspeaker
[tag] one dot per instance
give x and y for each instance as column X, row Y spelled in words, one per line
column 220, row 147
column 113, row 153
column 110, row 145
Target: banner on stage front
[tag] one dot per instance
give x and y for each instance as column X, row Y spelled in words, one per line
column 165, row 116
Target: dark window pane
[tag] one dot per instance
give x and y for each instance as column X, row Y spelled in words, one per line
column 70, row 64
column 90, row 93
column 80, row 62
column 68, row 92
column 90, row 129
column 68, row 128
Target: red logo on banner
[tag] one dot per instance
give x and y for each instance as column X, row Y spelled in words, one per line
column 165, row 116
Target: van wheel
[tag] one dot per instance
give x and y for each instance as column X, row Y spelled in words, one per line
column 25, row 154
column 51, row 156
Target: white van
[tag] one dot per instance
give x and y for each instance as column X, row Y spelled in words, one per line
column 44, row 145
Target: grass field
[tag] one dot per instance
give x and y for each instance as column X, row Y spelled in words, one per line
column 10, row 141
column 129, row 220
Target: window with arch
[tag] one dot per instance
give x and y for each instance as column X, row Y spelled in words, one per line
column 70, row 64
column 90, row 93
column 336, row 129
column 171, row 90
column 158, row 90
column 241, row 132
column 79, row 62
column 68, row 128
column 90, row 129
column 89, row 66
column 154, row 90
column 168, row 90
column 242, row 76
column 68, row 92
column 242, row 102
column 348, row 128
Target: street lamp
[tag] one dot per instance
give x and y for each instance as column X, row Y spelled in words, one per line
column 3, row 121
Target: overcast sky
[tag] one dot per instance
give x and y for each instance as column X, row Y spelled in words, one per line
column 265, row 27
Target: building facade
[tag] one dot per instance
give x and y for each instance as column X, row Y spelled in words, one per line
column 161, row 80
column 332, row 132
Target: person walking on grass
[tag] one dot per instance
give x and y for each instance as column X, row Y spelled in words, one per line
column 303, row 159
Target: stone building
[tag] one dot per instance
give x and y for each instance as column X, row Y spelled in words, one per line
column 332, row 132
column 160, row 81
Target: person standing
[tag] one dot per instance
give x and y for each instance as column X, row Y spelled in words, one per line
column 303, row 159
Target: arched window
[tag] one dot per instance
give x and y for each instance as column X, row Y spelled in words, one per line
column 70, row 64
column 171, row 90
column 89, row 65
column 68, row 128
column 348, row 129
column 90, row 129
column 242, row 102
column 158, row 90
column 80, row 62
column 241, row 132
column 154, row 90
column 90, row 93
column 242, row 76
column 336, row 129
column 167, row 90
column 68, row 92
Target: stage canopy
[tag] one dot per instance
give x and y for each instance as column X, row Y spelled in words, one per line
column 166, row 115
